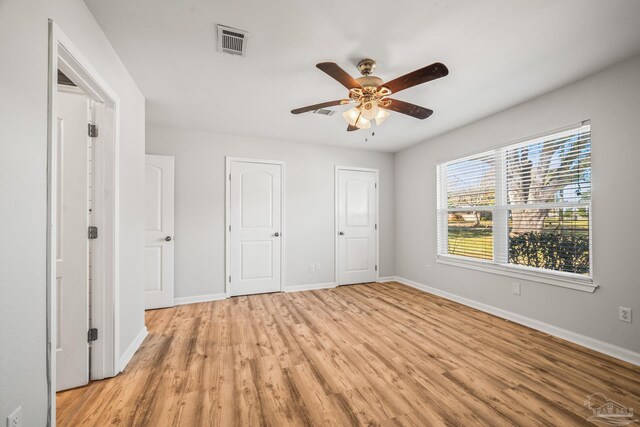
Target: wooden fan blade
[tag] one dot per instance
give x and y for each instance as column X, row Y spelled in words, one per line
column 332, row 69
column 319, row 106
column 351, row 128
column 409, row 109
column 423, row 75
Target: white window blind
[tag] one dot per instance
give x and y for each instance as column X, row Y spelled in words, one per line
column 526, row 205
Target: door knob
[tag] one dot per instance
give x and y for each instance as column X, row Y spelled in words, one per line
column 276, row 234
column 341, row 233
column 168, row 238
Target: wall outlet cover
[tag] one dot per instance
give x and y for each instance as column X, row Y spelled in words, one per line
column 15, row 419
column 624, row 314
column 515, row 288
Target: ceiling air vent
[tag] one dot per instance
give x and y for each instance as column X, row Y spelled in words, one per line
column 232, row 40
column 324, row 112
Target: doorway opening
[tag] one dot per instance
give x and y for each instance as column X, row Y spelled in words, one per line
column 82, row 221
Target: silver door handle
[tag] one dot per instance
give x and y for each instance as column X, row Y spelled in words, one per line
column 168, row 238
column 341, row 233
column 276, row 234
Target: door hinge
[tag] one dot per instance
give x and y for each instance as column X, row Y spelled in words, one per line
column 229, row 279
column 376, row 268
column 93, row 232
column 229, row 177
column 376, row 226
column 92, row 335
column 93, row 130
column 376, row 185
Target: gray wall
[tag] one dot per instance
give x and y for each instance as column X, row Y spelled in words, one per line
column 309, row 210
column 611, row 99
column 23, row 191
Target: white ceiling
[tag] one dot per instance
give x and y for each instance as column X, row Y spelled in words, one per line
column 499, row 53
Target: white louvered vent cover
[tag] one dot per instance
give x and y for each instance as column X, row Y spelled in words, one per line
column 232, row 40
column 324, row 112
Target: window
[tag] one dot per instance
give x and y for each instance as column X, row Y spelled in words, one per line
column 524, row 207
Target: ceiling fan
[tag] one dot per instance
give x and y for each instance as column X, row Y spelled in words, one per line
column 371, row 95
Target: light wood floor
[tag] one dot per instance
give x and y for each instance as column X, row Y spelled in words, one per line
column 379, row 354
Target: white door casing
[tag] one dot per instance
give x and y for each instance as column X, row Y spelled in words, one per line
column 72, row 252
column 356, row 225
column 159, row 231
column 105, row 351
column 254, row 226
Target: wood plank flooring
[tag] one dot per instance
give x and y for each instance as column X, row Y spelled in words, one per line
column 377, row 354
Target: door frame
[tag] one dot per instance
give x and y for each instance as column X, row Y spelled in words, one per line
column 336, row 221
column 227, row 217
column 104, row 294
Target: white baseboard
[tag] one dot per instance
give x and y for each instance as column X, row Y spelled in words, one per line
column 387, row 279
column 199, row 298
column 583, row 340
column 311, row 287
column 131, row 350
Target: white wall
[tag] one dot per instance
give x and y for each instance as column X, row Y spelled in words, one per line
column 200, row 189
column 23, row 196
column 611, row 99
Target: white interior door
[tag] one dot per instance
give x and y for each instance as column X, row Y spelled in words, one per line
column 159, row 197
column 72, row 252
column 255, row 220
column 357, row 226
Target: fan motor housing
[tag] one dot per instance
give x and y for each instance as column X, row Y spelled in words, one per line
column 369, row 81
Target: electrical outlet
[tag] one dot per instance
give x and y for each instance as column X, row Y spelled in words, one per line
column 428, row 268
column 317, row 266
column 624, row 314
column 15, row 419
column 515, row 288
column 312, row 268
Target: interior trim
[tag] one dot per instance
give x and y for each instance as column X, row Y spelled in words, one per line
column 131, row 350
column 311, row 287
column 583, row 340
column 523, row 273
column 199, row 298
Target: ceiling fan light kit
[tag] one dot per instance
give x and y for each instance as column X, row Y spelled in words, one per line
column 355, row 118
column 381, row 116
column 371, row 94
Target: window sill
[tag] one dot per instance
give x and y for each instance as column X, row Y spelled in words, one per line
column 584, row 284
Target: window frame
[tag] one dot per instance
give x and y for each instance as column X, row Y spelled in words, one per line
column 499, row 264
